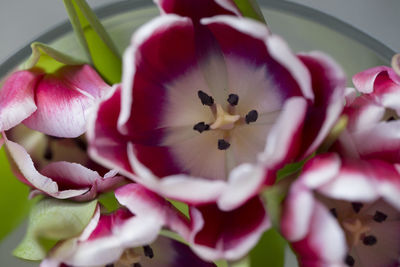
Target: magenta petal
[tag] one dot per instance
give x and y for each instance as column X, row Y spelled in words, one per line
column 150, row 65
column 31, row 176
column 64, row 100
column 198, row 9
column 143, row 202
column 227, row 235
column 365, row 80
column 60, row 179
column 75, row 176
column 106, row 145
column 17, row 100
column 325, row 241
column 328, row 82
column 283, row 141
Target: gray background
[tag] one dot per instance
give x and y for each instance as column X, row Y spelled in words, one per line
column 23, row 20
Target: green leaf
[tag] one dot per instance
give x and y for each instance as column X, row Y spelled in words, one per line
column 14, row 203
column 250, row 9
column 51, row 220
column 98, row 45
column 182, row 207
column 270, row 250
column 109, row 201
column 48, row 58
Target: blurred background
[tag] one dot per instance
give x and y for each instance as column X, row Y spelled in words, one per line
column 22, row 21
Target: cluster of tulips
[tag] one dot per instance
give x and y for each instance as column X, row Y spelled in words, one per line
column 214, row 112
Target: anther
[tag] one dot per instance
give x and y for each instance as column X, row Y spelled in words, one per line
column 148, row 251
column 357, row 206
column 369, row 240
column 110, row 265
column 137, row 265
column 333, row 212
column 349, row 260
column 205, row 99
column 201, row 127
column 392, row 118
column 379, row 216
column 233, row 99
column 223, row 145
column 252, row 116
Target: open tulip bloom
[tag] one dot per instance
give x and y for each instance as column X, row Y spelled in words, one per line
column 194, row 152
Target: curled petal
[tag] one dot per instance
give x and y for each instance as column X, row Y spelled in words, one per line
column 60, row 179
column 145, row 203
column 365, row 81
column 227, row 235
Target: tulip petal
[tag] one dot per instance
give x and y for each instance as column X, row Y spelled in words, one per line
column 17, row 100
column 64, row 100
column 197, row 10
column 227, row 235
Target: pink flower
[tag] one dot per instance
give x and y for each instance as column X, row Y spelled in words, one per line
column 56, row 104
column 344, row 213
column 373, row 127
column 51, row 156
column 128, row 237
column 205, row 106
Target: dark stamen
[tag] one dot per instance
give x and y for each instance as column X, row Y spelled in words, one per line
column 201, row 127
column 148, row 252
column 48, row 154
column 252, row 116
column 205, row 99
column 223, row 145
column 137, row 265
column 349, row 260
column 379, row 216
column 233, row 99
column 392, row 118
column 110, row 265
column 333, row 212
column 357, row 206
column 369, row 240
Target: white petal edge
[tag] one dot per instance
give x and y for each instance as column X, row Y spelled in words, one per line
column 194, row 190
column 129, row 60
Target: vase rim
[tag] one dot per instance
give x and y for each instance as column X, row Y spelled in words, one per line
column 383, row 51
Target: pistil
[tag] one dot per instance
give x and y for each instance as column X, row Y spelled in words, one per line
column 356, row 229
column 224, row 120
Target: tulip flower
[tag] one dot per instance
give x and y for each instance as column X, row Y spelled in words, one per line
column 344, row 212
column 128, row 236
column 201, row 117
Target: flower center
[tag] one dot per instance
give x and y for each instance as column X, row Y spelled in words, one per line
column 367, row 227
column 132, row 258
column 223, row 120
